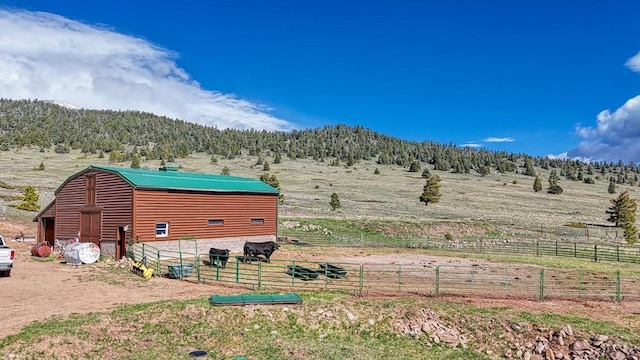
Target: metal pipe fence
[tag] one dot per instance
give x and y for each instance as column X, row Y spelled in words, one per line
column 525, row 282
column 582, row 250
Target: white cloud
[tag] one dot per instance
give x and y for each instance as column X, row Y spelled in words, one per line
column 48, row 57
column 562, row 156
column 634, row 63
column 616, row 135
column 498, row 139
column 471, row 145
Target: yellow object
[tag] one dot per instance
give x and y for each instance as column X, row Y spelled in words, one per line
column 139, row 269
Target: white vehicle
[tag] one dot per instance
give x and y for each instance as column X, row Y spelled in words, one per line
column 6, row 258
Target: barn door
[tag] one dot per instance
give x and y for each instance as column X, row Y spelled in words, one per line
column 49, row 230
column 90, row 226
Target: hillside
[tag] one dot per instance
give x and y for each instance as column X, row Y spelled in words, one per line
column 495, row 202
column 483, row 192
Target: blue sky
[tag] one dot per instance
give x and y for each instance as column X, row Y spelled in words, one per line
column 534, row 77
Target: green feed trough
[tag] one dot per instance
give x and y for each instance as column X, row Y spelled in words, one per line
column 265, row 299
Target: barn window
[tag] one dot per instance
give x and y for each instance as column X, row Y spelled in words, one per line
column 162, row 229
column 257, row 221
column 90, row 196
column 215, row 222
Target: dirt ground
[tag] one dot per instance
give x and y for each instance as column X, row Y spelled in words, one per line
column 39, row 289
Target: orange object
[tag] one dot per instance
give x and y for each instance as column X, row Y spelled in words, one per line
column 41, row 249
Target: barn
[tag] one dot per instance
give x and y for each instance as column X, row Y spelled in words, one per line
column 115, row 206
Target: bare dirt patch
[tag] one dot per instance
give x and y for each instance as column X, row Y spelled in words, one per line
column 38, row 290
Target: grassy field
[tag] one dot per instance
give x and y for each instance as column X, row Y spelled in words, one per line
column 471, row 205
column 325, row 326
column 386, row 204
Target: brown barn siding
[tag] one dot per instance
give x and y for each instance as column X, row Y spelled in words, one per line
column 69, row 200
column 50, row 212
column 188, row 214
column 113, row 194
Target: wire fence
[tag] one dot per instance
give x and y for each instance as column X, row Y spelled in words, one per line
column 526, row 282
column 598, row 251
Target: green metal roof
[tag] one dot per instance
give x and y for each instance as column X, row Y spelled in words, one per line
column 179, row 180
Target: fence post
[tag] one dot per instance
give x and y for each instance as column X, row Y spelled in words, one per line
column 259, row 275
column 361, row 278
column 158, row 261
column 618, row 286
column 580, row 282
column 437, row 280
column 197, row 261
column 556, row 247
column 541, row 284
column 537, row 248
column 237, row 270
column 618, row 252
column 506, row 282
column 595, row 252
column 586, row 230
column 575, row 250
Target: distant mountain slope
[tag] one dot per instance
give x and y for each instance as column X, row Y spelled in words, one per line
column 46, row 124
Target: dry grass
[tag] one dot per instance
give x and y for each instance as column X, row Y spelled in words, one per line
column 392, row 195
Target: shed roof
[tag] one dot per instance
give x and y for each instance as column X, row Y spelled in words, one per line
column 179, row 180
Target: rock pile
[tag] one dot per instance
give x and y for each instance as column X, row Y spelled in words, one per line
column 520, row 341
column 427, row 323
column 562, row 345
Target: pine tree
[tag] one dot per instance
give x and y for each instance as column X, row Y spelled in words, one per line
column 225, row 171
column 30, row 199
column 554, row 188
column 335, row 202
column 266, row 167
column 622, row 210
column 376, row 171
column 630, row 233
column 135, row 161
column 272, row 180
column 350, row 159
column 415, row 166
column 528, row 167
column 537, row 184
column 612, row 187
column 426, row 173
column 277, row 158
column 431, row 191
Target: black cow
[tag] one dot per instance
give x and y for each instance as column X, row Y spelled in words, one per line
column 253, row 249
column 216, row 255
